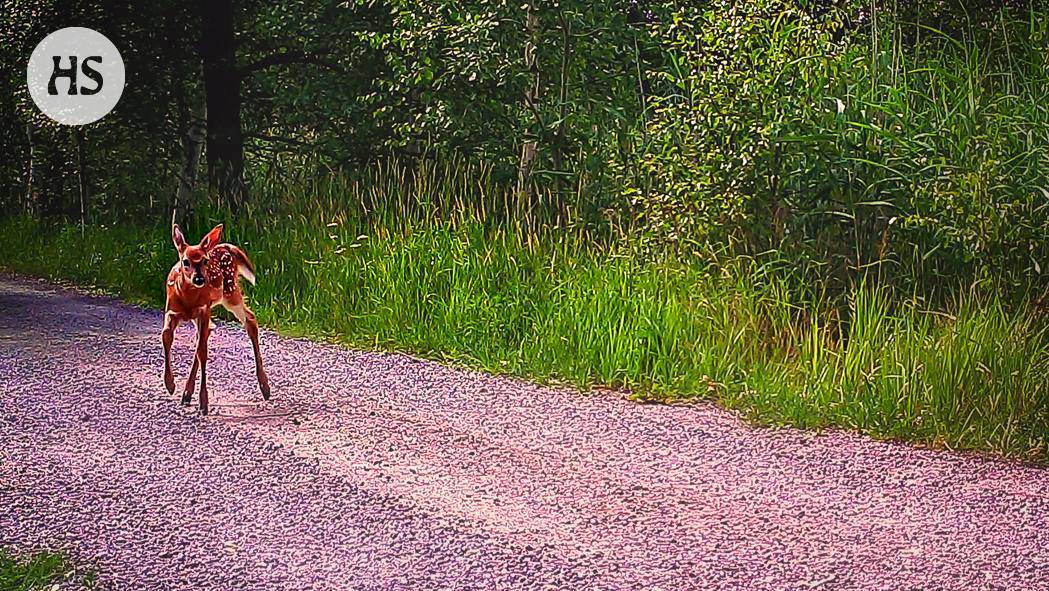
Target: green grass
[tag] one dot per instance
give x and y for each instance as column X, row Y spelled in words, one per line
column 931, row 169
column 39, row 571
column 920, row 152
column 555, row 305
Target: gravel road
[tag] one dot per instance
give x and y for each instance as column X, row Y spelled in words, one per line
column 380, row 471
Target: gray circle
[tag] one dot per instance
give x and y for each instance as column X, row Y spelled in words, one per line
column 98, row 75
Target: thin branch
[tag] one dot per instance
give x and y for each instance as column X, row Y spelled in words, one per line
column 314, row 58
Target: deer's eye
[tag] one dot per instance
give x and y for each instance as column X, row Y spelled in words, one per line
column 203, row 262
column 185, row 262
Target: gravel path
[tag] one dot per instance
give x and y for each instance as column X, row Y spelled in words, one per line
column 376, row 471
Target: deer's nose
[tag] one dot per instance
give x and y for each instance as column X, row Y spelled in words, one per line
column 198, row 280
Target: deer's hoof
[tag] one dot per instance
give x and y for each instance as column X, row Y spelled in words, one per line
column 169, row 383
column 186, row 397
column 265, row 391
column 204, row 411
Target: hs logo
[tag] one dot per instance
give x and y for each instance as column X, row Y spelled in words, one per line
column 71, row 72
column 75, row 76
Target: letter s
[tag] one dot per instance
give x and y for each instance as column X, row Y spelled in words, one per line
column 92, row 74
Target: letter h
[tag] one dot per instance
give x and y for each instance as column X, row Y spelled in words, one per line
column 60, row 72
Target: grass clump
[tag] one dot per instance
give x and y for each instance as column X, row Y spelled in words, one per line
column 39, row 571
column 825, row 217
column 552, row 305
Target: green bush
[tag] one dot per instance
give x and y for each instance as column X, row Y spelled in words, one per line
column 553, row 304
column 854, row 147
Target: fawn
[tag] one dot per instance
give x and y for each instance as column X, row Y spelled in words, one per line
column 205, row 276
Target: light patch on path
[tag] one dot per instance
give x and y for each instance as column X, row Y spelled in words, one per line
column 377, row 471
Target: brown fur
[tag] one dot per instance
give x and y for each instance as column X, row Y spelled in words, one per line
column 206, row 275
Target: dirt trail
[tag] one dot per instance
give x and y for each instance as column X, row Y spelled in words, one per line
column 375, row 471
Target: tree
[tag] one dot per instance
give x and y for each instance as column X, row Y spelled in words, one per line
column 222, row 88
column 520, row 85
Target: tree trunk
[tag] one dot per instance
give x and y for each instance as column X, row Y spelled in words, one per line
column 55, row 175
column 82, row 181
column 30, row 200
column 194, row 133
column 530, row 147
column 225, row 142
column 561, row 141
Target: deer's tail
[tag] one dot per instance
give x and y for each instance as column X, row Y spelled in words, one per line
column 244, row 266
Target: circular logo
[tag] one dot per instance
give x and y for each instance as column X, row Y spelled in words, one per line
column 75, row 76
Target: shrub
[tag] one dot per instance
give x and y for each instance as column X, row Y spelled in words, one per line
column 857, row 147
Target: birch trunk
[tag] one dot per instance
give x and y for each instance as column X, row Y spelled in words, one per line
column 530, row 146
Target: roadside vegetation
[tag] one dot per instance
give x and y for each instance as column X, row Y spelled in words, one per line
column 41, row 571
column 823, row 217
column 555, row 304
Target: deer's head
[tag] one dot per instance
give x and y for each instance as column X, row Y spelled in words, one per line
column 194, row 258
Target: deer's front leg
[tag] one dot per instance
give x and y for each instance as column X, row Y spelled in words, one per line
column 203, row 332
column 168, row 336
column 187, row 394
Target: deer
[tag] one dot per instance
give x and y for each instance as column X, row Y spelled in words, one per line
column 207, row 274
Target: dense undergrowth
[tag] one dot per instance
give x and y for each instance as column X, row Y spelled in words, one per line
column 45, row 570
column 557, row 304
column 889, row 145
column 819, row 215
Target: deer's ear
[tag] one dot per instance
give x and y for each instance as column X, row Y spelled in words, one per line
column 212, row 238
column 178, row 238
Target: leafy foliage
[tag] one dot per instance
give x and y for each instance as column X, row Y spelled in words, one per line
column 823, row 212
column 443, row 281
column 907, row 147
column 457, row 78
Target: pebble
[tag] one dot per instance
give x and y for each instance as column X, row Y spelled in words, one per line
column 380, row 471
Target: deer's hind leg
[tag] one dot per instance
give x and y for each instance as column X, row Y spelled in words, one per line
column 234, row 302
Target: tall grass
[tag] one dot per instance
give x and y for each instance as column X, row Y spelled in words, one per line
column 909, row 157
column 902, row 152
column 955, row 129
column 560, row 306
column 46, row 570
